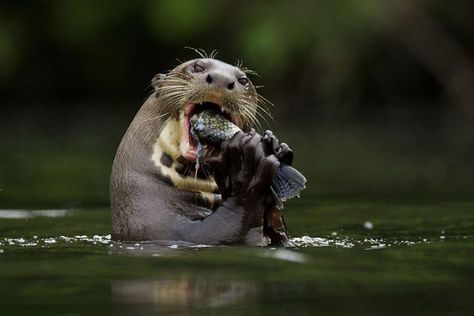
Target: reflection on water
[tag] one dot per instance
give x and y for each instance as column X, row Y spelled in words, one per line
column 184, row 290
column 285, row 255
column 21, row 214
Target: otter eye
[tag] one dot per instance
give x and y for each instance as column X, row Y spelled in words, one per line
column 198, row 68
column 244, row 81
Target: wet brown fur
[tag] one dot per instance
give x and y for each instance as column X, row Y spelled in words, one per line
column 148, row 200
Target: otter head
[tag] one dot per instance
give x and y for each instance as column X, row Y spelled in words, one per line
column 201, row 84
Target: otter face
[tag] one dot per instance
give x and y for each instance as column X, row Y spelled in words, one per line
column 207, row 83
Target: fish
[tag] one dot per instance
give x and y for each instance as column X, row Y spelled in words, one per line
column 212, row 128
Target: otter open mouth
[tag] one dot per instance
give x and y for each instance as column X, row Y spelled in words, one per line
column 196, row 108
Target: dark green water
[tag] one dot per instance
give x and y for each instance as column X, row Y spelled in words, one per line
column 417, row 259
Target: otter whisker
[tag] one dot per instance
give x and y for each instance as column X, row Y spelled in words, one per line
column 171, row 87
column 263, row 117
column 174, row 78
column 173, row 82
column 171, row 92
column 206, row 171
column 239, row 63
column 166, row 92
column 249, row 71
column 249, row 106
column 264, row 111
column 198, row 51
column 250, row 116
column 173, row 100
column 213, row 54
column 263, row 101
column 147, row 119
column 202, row 53
column 187, row 169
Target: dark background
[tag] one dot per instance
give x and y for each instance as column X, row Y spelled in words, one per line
column 375, row 97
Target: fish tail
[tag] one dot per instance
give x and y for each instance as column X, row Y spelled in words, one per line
column 288, row 182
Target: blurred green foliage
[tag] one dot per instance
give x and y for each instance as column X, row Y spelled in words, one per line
column 375, row 96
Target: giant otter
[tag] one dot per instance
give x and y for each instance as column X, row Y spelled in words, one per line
column 156, row 192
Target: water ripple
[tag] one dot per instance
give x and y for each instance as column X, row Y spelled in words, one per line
column 297, row 242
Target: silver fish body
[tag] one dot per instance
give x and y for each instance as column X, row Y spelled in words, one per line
column 211, row 128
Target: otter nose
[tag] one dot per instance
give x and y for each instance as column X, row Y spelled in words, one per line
column 221, row 80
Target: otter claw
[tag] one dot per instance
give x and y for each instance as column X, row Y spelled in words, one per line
column 285, row 154
column 268, row 133
column 282, row 151
column 271, row 140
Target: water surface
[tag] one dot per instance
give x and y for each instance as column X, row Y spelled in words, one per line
column 358, row 258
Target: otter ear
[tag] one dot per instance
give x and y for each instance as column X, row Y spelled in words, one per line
column 157, row 81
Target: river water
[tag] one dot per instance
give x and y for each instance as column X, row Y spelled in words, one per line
column 350, row 258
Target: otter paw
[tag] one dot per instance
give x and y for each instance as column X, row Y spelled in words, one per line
column 285, row 154
column 282, row 151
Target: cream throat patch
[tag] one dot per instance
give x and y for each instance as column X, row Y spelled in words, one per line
column 166, row 157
